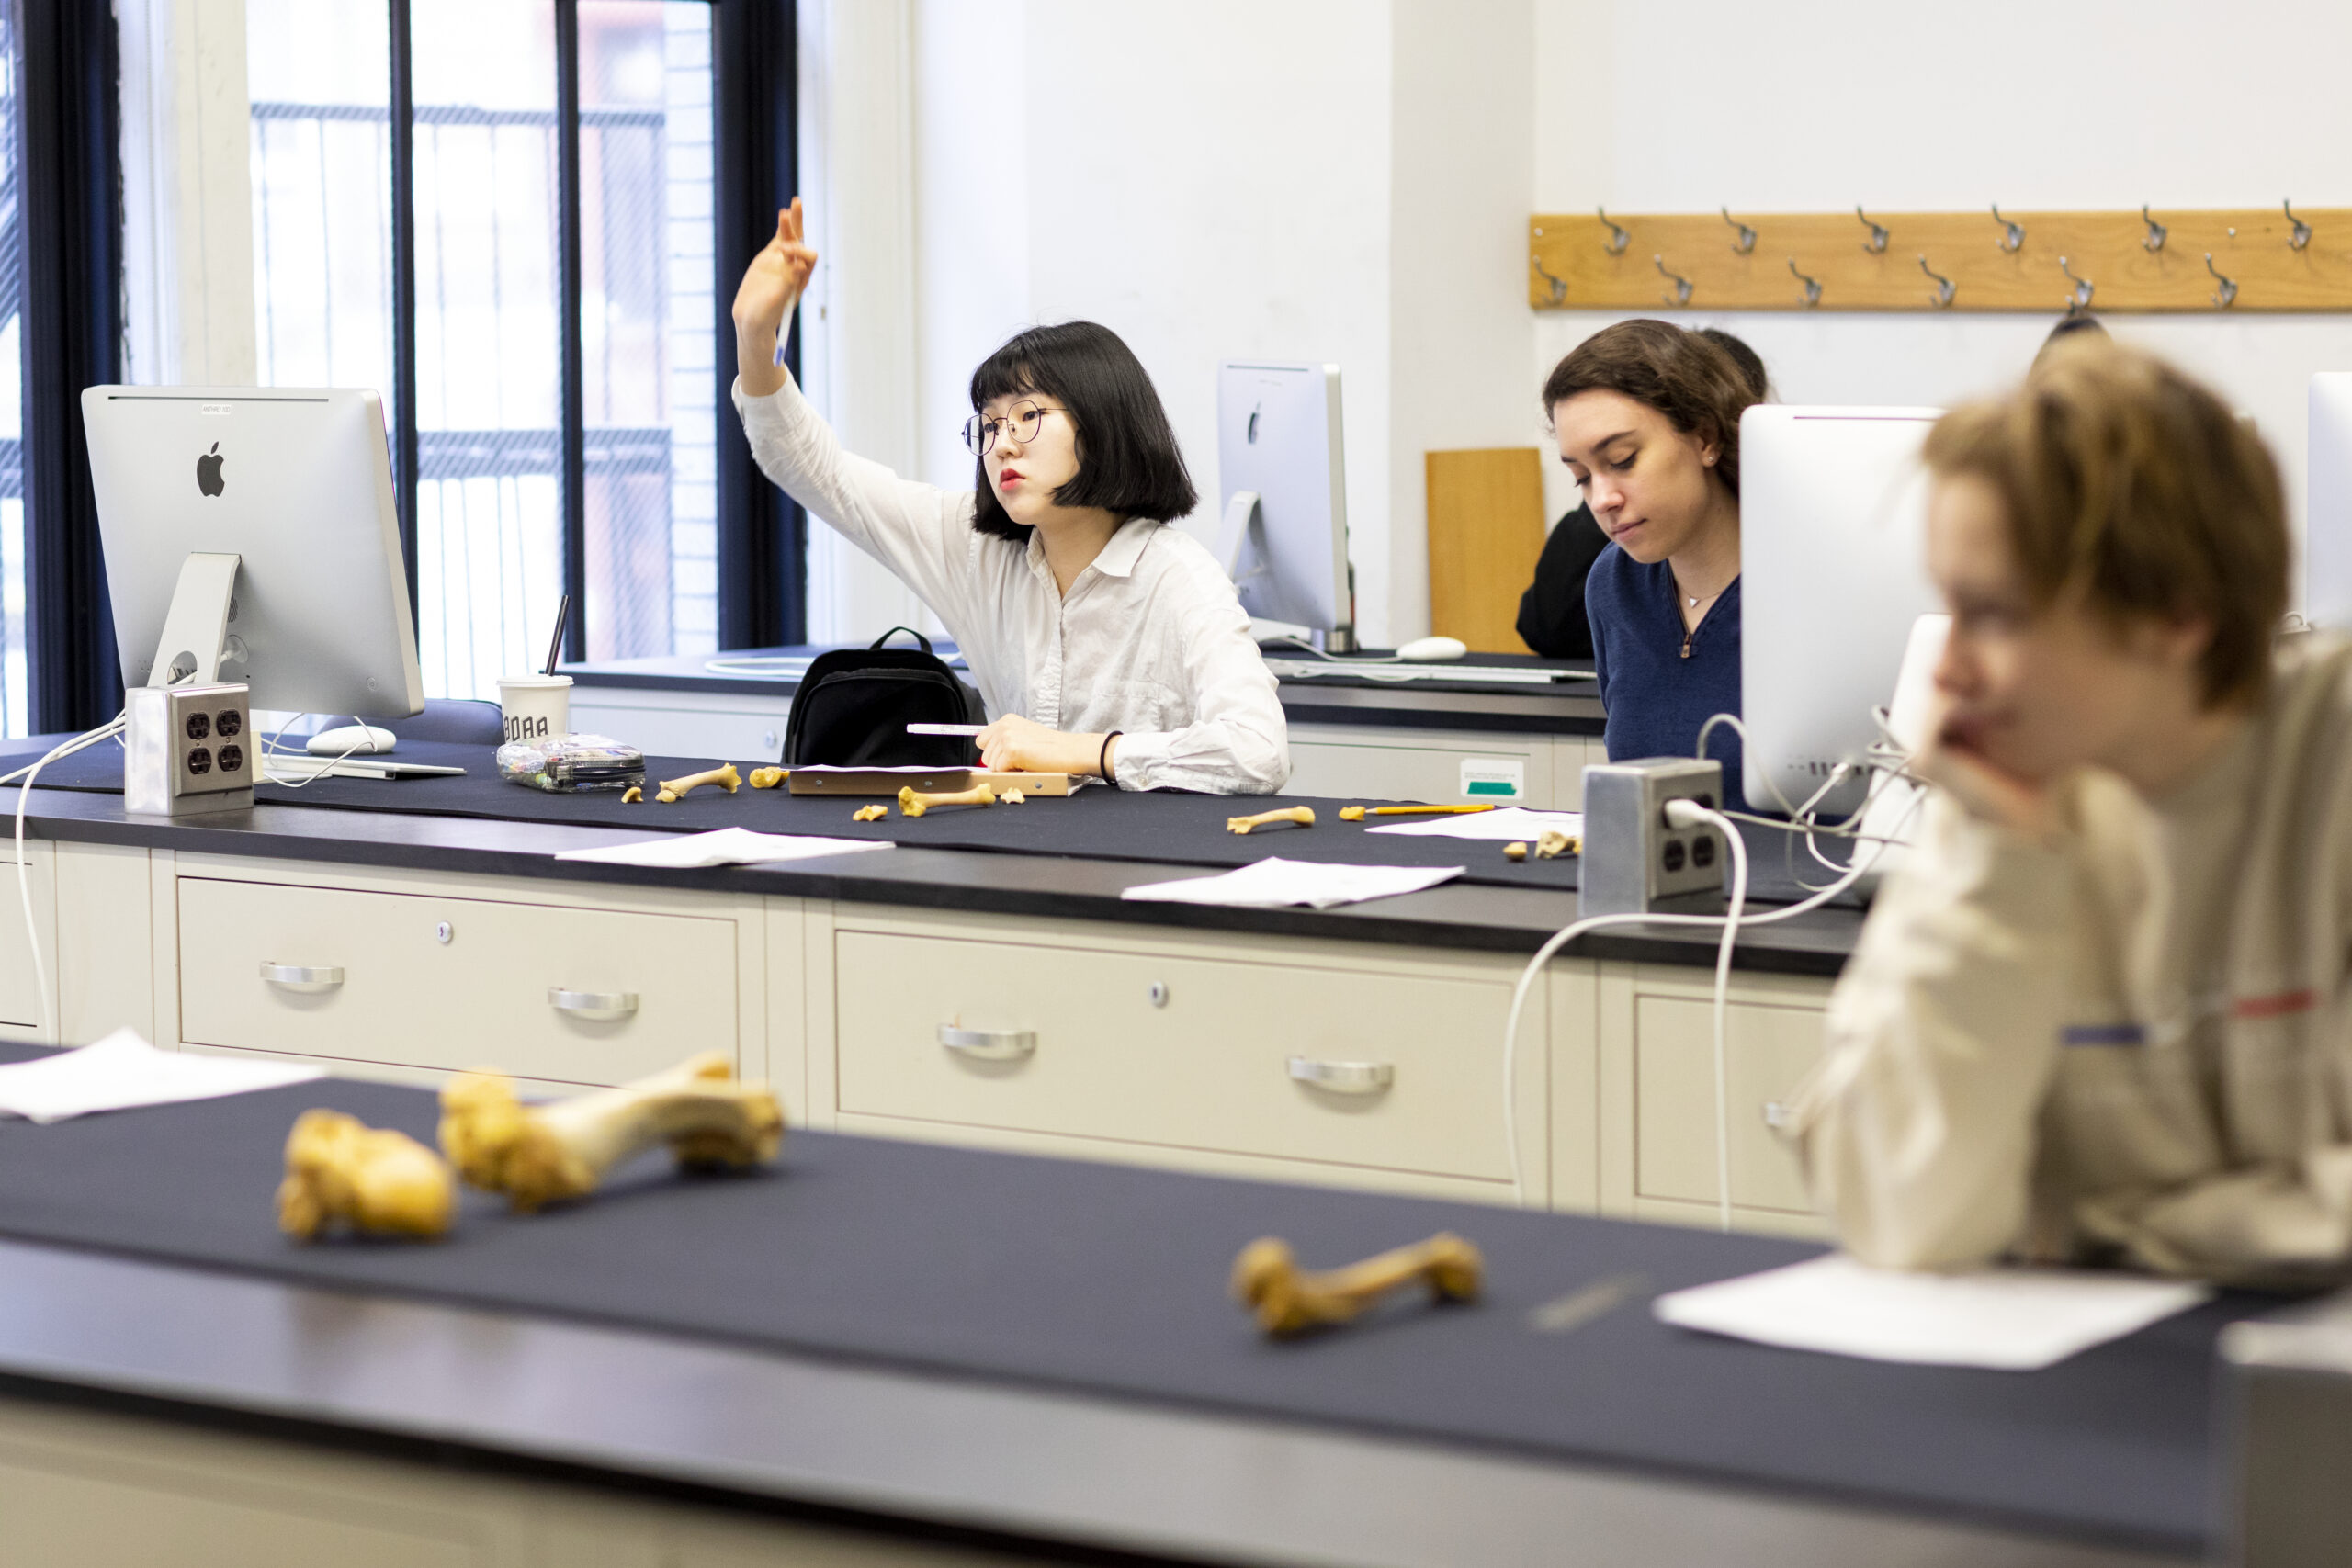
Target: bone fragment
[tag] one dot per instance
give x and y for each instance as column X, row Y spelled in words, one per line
column 376, row 1180
column 726, row 778
column 632, row 796
column 869, row 813
column 768, row 778
column 1552, row 842
column 1267, row 1279
column 543, row 1153
column 915, row 805
column 1351, row 814
column 1302, row 815
column 1514, row 852
column 1015, row 797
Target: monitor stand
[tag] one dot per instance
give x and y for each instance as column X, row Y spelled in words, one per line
column 1245, row 519
column 196, row 640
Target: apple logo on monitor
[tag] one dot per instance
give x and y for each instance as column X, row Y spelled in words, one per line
column 208, row 471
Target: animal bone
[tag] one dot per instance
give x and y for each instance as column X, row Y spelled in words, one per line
column 1514, row 852
column 1552, row 842
column 1015, row 797
column 674, row 790
column 1267, row 1279
column 542, row 1154
column 380, row 1181
column 631, row 796
column 869, row 814
column 1351, row 814
column 915, row 805
column 768, row 778
column 1302, row 815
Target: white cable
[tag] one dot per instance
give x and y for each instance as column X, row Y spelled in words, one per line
column 273, row 746
column 1690, row 814
column 1575, row 929
column 24, row 875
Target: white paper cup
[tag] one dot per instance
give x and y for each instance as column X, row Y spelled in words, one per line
column 536, row 707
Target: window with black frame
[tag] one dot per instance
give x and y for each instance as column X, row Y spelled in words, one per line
column 565, row 389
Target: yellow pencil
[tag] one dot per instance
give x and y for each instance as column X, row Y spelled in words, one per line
column 1358, row 813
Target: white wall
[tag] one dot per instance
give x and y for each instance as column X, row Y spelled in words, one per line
column 1703, row 103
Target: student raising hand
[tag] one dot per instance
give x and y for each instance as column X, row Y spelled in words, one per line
column 772, row 286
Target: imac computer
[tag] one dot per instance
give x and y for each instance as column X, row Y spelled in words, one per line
column 2327, row 508
column 1282, row 493
column 1833, row 574
column 250, row 535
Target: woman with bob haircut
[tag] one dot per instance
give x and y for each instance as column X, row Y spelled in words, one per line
column 1104, row 643
column 2101, row 1013
column 1646, row 415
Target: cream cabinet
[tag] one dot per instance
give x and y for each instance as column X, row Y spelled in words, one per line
column 1325, row 1061
column 1344, row 763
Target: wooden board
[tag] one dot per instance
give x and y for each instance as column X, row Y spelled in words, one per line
column 1485, row 528
column 1572, row 265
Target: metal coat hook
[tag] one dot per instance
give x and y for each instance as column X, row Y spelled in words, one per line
column 1681, row 295
column 2078, row 298
column 2303, row 234
column 2227, row 295
column 1747, row 241
column 2155, row 238
column 1876, row 243
column 1618, row 235
column 1559, row 285
column 1945, row 287
column 1812, row 285
column 2013, row 237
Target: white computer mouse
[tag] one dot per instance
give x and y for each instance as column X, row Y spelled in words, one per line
column 351, row 739
column 1431, row 650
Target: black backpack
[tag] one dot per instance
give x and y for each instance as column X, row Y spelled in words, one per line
column 854, row 704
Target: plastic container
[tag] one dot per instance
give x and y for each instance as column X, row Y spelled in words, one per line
column 572, row 763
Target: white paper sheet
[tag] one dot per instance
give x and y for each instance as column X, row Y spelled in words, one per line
column 724, row 846
column 2009, row 1319
column 123, row 1071
column 1505, row 822
column 1275, row 881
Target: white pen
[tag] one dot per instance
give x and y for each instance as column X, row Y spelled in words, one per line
column 945, row 729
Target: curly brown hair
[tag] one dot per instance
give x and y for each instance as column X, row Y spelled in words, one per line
column 1686, row 375
column 2126, row 481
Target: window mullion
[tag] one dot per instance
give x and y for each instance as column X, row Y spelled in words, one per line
column 402, row 127
column 574, row 441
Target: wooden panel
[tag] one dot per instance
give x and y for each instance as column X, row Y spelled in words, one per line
column 1573, row 267
column 1485, row 527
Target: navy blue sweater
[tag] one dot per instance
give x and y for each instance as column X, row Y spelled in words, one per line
column 1657, row 699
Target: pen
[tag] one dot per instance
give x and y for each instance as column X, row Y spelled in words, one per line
column 945, row 729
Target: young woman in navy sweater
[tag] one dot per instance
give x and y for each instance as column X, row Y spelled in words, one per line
column 1646, row 415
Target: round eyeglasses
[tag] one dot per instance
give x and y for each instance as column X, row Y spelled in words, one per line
column 981, row 434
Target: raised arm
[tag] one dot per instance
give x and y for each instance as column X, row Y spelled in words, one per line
column 765, row 299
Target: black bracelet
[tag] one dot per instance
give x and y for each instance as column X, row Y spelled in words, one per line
column 1102, row 762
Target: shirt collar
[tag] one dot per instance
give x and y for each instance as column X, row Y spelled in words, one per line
column 1118, row 557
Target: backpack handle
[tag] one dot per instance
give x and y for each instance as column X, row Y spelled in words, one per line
column 894, row 631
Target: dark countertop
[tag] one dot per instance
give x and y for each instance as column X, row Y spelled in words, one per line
column 1567, row 709
column 1468, row 918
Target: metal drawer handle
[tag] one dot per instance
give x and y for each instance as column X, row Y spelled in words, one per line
column 301, row 978
column 990, row 1045
column 592, row 1004
column 1344, row 1077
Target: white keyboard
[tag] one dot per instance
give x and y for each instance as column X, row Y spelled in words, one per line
column 1472, row 675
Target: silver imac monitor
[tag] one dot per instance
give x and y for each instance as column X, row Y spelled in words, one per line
column 1833, row 576
column 2327, row 508
column 275, row 507
column 1283, row 495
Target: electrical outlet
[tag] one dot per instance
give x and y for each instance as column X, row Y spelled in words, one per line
column 1633, row 858
column 189, row 748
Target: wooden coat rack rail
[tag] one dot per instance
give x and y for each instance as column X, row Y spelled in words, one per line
column 2248, row 260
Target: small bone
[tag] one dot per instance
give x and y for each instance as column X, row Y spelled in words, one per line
column 632, row 796
column 378, row 1181
column 1351, row 814
column 1552, row 842
column 768, row 778
column 1302, row 815
column 1015, row 797
column 869, row 813
column 1267, row 1279
column 1514, row 852
column 915, row 805
column 726, row 778
column 543, row 1153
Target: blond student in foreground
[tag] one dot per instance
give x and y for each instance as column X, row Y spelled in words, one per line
column 2102, row 1012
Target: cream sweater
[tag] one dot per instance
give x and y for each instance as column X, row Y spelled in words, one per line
column 2134, row 1044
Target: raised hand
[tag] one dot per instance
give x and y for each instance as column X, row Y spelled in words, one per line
column 772, row 287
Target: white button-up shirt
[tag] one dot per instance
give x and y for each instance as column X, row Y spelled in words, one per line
column 1151, row 639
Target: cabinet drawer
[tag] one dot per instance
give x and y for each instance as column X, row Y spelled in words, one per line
column 1766, row 1051
column 384, row 987
column 1363, row 771
column 1082, row 1047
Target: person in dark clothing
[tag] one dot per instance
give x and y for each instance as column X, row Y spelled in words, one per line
column 1552, row 616
column 1646, row 415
